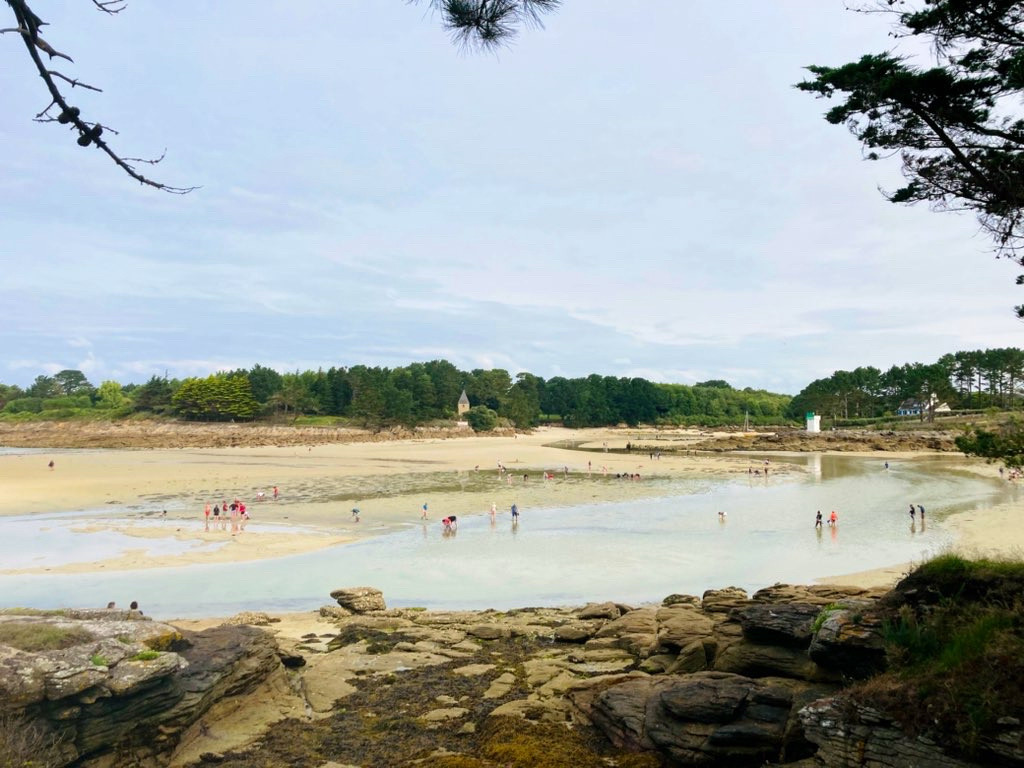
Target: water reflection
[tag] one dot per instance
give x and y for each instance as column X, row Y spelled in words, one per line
column 632, row 552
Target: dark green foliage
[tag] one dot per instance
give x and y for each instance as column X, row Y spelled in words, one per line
column 154, row 395
column 264, row 382
column 954, row 632
column 419, row 393
column 481, row 418
column 44, row 386
column 216, row 398
column 957, row 126
column 522, row 404
column 9, row 392
column 1005, row 444
column 24, row 405
column 73, row 382
column 964, row 380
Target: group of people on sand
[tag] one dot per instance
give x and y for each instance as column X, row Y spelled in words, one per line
column 235, row 513
column 920, row 510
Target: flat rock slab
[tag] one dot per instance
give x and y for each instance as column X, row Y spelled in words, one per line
column 472, row 670
column 444, row 715
column 501, row 686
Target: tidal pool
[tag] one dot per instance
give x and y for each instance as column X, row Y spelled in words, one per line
column 634, row 552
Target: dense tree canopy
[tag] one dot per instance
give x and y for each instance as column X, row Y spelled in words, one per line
column 988, row 378
column 418, row 393
column 958, row 126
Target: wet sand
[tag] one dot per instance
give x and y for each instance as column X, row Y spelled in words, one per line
column 389, row 482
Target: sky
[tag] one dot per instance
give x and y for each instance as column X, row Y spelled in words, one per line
column 634, row 190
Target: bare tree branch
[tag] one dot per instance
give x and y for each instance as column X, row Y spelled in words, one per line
column 486, row 23
column 89, row 133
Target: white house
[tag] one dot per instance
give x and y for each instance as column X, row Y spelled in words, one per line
column 911, row 407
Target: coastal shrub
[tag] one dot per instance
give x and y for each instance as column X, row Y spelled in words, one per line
column 907, row 640
column 955, row 646
column 24, row 405
column 68, row 402
column 145, row 656
column 481, row 418
column 41, row 636
column 99, row 660
column 951, row 566
column 27, row 743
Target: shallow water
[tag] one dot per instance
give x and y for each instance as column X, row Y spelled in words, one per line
column 634, row 552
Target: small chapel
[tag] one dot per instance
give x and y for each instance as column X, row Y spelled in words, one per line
column 463, row 403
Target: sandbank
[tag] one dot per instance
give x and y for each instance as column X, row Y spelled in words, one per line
column 389, row 482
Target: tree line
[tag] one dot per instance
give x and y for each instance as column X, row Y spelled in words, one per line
column 411, row 395
column 978, row 379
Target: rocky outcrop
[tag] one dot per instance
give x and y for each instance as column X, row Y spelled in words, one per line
column 360, row 599
column 706, row 718
column 724, row 680
column 848, row 735
column 112, row 699
column 849, row 641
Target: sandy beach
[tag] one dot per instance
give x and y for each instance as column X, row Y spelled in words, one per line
column 388, row 482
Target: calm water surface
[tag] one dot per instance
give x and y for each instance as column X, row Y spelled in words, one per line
column 637, row 551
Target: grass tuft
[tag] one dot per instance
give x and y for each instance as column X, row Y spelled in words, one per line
column 41, row 636
column 955, row 646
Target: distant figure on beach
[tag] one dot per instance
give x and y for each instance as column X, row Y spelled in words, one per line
column 921, row 510
column 135, row 606
column 206, row 512
column 423, row 516
column 216, row 511
column 833, row 519
column 721, row 516
column 515, row 512
column 355, row 514
column 50, row 465
column 260, row 495
column 449, row 522
column 887, row 465
column 817, row 519
column 275, row 493
column 911, row 511
column 494, row 510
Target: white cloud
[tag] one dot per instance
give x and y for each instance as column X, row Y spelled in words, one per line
column 372, row 195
